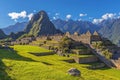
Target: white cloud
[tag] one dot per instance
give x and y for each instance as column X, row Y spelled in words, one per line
column 79, row 19
column 82, row 15
column 68, row 16
column 22, row 14
column 96, row 21
column 54, row 18
column 30, row 16
column 57, row 14
column 105, row 17
column 15, row 15
column 109, row 16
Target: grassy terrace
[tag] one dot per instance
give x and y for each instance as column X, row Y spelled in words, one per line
column 21, row 65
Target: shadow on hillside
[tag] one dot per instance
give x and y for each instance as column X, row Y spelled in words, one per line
column 46, row 63
column 8, row 53
column 42, row 54
column 13, row 55
column 97, row 66
column 3, row 74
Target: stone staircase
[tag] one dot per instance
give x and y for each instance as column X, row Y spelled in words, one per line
column 109, row 63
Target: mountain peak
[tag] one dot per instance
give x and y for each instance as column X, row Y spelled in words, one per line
column 40, row 24
column 42, row 12
column 40, row 15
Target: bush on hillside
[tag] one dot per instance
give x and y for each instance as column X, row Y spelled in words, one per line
column 65, row 44
column 107, row 54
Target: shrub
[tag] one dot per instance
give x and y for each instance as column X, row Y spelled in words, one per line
column 65, row 44
column 107, row 54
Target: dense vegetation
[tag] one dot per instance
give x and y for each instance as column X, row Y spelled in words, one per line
column 65, row 44
column 102, row 47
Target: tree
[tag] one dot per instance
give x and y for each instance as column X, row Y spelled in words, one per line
column 65, row 44
column 107, row 54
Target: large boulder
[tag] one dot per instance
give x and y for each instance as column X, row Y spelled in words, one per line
column 74, row 72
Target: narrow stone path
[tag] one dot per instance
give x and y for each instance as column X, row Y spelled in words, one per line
column 109, row 63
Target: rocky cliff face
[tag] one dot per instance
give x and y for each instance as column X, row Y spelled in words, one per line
column 41, row 25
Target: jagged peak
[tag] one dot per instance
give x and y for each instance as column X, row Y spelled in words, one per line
column 88, row 33
column 67, row 33
column 41, row 14
column 95, row 33
column 76, row 33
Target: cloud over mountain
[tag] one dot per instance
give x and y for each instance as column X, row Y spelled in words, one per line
column 68, row 16
column 105, row 17
column 17, row 15
column 82, row 15
column 30, row 16
column 56, row 16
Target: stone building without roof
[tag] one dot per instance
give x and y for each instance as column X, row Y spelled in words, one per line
column 86, row 38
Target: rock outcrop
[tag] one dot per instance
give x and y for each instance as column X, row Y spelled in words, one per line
column 74, row 72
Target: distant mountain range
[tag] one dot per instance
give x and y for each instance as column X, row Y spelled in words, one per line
column 2, row 34
column 63, row 25
column 41, row 25
column 15, row 28
column 75, row 26
column 111, row 30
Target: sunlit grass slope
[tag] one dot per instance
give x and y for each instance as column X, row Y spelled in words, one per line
column 21, row 65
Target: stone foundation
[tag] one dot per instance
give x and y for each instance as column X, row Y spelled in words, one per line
column 86, row 59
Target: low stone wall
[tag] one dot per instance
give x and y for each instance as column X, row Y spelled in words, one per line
column 85, row 59
column 70, row 61
column 97, row 66
column 81, row 51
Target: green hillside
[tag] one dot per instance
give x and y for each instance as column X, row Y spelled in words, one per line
column 21, row 65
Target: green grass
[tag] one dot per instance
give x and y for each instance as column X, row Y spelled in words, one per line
column 21, row 65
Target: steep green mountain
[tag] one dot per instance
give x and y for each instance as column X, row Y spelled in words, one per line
column 41, row 25
column 2, row 34
column 111, row 30
column 19, row 26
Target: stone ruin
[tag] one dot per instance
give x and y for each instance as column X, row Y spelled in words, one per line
column 86, row 38
column 26, row 40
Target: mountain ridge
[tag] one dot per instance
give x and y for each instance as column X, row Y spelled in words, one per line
column 19, row 26
column 2, row 34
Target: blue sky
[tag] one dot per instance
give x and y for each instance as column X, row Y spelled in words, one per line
column 92, row 10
